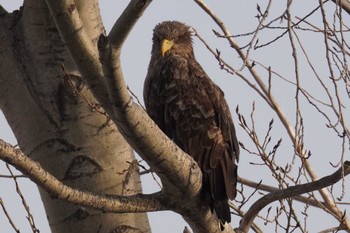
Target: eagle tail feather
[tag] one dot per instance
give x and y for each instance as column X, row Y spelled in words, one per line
column 219, row 199
column 222, row 211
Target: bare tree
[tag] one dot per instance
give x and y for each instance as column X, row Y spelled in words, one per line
column 63, row 93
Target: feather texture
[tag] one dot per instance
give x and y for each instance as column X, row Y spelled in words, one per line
column 190, row 109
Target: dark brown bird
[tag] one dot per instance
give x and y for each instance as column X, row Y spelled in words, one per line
column 190, row 109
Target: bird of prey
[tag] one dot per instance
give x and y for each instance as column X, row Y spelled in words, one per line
column 191, row 110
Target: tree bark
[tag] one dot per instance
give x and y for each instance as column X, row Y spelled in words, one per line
column 57, row 122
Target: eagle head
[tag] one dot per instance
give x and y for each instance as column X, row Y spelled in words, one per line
column 172, row 38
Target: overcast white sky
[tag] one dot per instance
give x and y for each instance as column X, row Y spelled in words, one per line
column 239, row 17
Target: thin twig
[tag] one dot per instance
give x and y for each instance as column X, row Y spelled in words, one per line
column 2, row 204
column 24, row 202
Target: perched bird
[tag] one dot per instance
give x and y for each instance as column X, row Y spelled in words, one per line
column 191, row 110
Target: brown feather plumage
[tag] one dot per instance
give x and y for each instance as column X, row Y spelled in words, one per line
column 191, row 110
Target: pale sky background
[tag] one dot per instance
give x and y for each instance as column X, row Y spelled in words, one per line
column 239, row 17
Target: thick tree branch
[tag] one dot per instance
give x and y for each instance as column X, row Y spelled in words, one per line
column 111, row 203
column 290, row 192
column 267, row 188
column 126, row 22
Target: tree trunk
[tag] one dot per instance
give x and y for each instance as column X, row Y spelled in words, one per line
column 58, row 123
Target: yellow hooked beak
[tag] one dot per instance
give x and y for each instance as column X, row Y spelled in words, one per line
column 166, row 45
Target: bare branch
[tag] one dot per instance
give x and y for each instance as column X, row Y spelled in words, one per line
column 333, row 229
column 270, row 189
column 126, row 22
column 24, row 202
column 12, row 176
column 292, row 191
column 112, row 203
column 2, row 204
column 225, row 66
column 241, row 213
